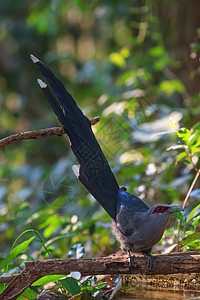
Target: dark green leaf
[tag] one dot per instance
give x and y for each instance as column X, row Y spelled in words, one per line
column 71, row 285
column 179, row 216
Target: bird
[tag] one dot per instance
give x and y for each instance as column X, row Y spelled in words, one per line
column 136, row 226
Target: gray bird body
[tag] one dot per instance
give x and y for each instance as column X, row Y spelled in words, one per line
column 144, row 230
column 139, row 227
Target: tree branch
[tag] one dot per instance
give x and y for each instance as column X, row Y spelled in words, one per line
column 187, row 262
column 35, row 134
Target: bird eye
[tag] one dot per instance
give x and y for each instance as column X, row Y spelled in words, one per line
column 159, row 209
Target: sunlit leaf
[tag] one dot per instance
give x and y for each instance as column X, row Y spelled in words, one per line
column 156, row 51
column 191, row 214
column 117, row 59
column 17, row 250
column 27, row 294
column 184, row 133
column 46, row 279
column 195, row 221
column 125, row 52
column 192, row 139
column 170, row 87
column 181, row 155
column 190, row 238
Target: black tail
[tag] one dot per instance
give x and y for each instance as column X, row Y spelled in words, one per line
column 94, row 172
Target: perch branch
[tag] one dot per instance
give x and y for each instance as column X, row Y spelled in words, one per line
column 187, row 262
column 35, row 134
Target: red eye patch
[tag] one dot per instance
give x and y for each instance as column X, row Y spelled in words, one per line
column 160, row 209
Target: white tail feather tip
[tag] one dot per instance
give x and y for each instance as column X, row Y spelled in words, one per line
column 34, row 59
column 41, row 83
column 76, row 170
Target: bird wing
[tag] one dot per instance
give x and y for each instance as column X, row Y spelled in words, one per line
column 94, row 171
column 126, row 201
column 128, row 207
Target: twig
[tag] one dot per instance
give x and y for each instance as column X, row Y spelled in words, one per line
column 35, row 134
column 184, row 204
column 187, row 262
column 41, row 240
column 191, row 187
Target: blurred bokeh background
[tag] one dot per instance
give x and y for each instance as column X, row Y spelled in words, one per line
column 133, row 63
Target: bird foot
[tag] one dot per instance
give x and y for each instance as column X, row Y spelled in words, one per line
column 131, row 260
column 149, row 260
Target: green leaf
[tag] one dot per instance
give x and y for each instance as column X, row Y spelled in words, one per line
column 46, row 279
column 117, row 59
column 169, row 87
column 179, row 216
column 197, row 127
column 161, row 63
column 190, row 238
column 125, row 52
column 184, row 134
column 1, row 288
column 195, row 148
column 28, row 294
column 195, row 221
column 71, row 285
column 156, row 51
column 17, row 250
column 191, row 214
column 192, row 139
column 55, row 223
column 181, row 155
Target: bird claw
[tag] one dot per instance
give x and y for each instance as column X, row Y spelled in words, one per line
column 149, row 260
column 131, row 260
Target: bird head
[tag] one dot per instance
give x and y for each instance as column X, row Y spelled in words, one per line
column 160, row 214
column 157, row 219
column 160, row 209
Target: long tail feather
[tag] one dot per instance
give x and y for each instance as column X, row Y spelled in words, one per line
column 94, row 172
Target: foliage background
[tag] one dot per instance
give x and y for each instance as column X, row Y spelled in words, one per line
column 133, row 63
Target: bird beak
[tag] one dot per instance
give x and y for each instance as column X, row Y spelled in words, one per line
column 175, row 208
